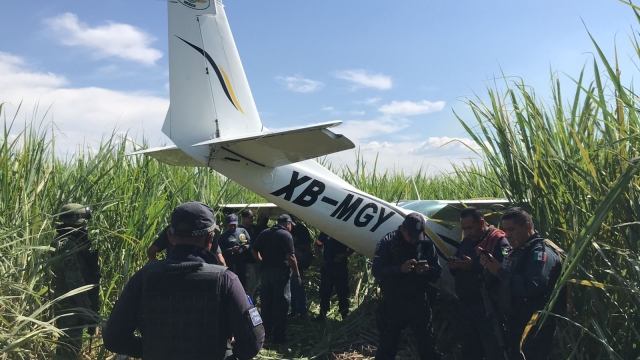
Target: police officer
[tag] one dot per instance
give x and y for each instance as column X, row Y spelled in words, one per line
column 527, row 277
column 253, row 268
column 73, row 265
column 184, row 307
column 234, row 243
column 476, row 334
column 334, row 272
column 404, row 263
column 304, row 257
column 162, row 243
column 276, row 254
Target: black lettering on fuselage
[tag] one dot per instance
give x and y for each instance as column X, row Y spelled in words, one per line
column 293, row 184
column 382, row 218
column 362, row 219
column 346, row 208
column 310, row 195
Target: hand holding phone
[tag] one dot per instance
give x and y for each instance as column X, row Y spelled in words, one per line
column 486, row 253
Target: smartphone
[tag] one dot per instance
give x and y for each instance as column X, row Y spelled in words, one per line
column 486, row 253
column 420, row 262
column 454, row 259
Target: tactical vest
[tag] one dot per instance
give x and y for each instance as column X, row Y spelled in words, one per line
column 514, row 262
column 409, row 284
column 180, row 310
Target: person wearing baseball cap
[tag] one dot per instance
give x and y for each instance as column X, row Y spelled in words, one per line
column 175, row 302
column 405, row 263
column 274, row 250
column 234, row 243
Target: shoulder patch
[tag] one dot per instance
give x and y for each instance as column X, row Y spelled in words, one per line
column 540, row 256
column 255, row 317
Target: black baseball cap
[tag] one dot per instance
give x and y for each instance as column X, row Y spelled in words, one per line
column 192, row 219
column 285, row 218
column 414, row 224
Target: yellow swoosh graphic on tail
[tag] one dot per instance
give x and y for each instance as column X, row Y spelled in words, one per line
column 233, row 94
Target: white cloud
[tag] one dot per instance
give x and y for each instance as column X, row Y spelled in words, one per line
column 113, row 39
column 357, row 112
column 369, row 101
column 80, row 113
column 446, row 145
column 374, row 145
column 327, row 108
column 363, row 129
column 361, row 79
column 300, row 84
column 409, row 108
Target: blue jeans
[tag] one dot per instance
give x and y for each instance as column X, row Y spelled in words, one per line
column 298, row 297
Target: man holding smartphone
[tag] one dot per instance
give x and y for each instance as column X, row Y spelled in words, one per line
column 405, row 262
column 476, row 334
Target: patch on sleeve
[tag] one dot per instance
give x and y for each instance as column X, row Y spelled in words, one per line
column 69, row 261
column 255, row 317
column 540, row 256
column 506, row 250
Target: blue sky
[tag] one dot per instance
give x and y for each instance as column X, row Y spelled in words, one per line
column 392, row 71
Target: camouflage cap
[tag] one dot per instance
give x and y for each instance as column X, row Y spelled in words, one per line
column 74, row 214
column 192, row 219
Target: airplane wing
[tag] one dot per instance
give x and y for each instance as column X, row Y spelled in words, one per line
column 171, row 155
column 277, row 148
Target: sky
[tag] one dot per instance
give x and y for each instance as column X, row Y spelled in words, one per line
column 393, row 72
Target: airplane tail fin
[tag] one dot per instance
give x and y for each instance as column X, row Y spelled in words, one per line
column 210, row 95
column 212, row 107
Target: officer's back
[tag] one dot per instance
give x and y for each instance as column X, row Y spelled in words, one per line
column 184, row 307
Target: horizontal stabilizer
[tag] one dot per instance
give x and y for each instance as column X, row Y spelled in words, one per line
column 277, row 148
column 171, row 155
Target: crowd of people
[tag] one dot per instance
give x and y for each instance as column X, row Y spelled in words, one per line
column 198, row 303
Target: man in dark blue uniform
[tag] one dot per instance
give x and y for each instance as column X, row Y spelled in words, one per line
column 276, row 254
column 162, row 243
column 405, row 262
column 253, row 268
column 527, row 276
column 334, row 272
column 304, row 257
column 235, row 247
column 184, row 307
column 476, row 334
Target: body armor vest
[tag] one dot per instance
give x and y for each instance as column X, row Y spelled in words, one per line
column 180, row 306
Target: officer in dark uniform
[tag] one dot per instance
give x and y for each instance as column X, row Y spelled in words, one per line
column 476, row 334
column 405, row 262
column 234, row 243
column 74, row 265
column 304, row 257
column 252, row 266
column 184, row 307
column 276, row 254
column 162, row 243
column 334, row 272
column 527, row 277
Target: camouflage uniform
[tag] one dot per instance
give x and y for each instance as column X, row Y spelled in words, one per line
column 71, row 268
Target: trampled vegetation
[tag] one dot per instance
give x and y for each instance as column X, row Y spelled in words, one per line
column 570, row 160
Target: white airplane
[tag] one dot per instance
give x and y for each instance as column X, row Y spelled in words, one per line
column 213, row 122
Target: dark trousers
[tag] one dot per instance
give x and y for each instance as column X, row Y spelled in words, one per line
column 239, row 267
column 70, row 344
column 536, row 346
column 334, row 275
column 395, row 312
column 476, row 333
column 275, row 295
column 299, row 297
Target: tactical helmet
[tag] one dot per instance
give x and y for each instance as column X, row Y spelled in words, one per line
column 74, row 214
